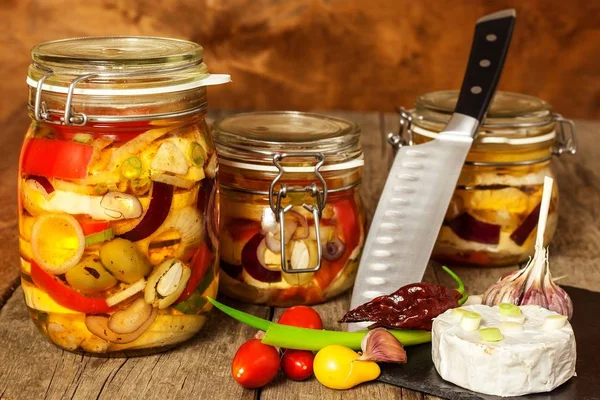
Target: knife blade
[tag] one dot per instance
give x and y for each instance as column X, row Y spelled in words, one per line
column 422, row 179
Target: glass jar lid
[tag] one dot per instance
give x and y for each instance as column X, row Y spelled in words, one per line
column 507, row 109
column 119, row 65
column 513, row 119
column 94, row 71
column 251, row 140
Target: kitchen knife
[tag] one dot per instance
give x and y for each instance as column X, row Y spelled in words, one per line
column 423, row 177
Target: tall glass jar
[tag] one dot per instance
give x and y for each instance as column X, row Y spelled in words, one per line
column 117, row 196
column 494, row 211
column 292, row 220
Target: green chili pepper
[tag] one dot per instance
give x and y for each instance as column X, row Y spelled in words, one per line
column 461, row 286
column 291, row 337
column 248, row 319
column 131, row 168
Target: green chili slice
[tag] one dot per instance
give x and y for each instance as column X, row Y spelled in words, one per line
column 131, row 168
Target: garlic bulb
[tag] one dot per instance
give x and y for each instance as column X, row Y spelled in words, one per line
column 533, row 285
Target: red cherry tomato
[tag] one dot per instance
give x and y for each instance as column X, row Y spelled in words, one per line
column 302, row 317
column 297, row 364
column 255, row 364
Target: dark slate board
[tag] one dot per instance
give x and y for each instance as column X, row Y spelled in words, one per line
column 420, row 374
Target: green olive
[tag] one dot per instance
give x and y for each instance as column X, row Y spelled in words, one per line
column 90, row 276
column 124, row 260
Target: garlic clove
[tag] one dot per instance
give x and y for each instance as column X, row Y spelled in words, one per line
column 167, row 284
column 558, row 300
column 508, row 289
column 381, row 346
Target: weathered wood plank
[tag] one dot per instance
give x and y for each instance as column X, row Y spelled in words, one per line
column 33, row 368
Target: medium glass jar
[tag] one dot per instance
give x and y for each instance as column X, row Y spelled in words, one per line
column 117, row 217
column 492, row 217
column 294, row 176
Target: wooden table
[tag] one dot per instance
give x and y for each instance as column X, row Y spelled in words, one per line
column 32, row 368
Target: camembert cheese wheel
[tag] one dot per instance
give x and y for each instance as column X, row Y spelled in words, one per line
column 538, row 358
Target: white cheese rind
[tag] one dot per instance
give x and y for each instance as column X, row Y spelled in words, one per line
column 532, row 361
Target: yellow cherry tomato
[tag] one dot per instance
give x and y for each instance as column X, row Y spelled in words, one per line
column 337, row 367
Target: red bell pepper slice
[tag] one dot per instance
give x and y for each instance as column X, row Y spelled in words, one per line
column 200, row 263
column 55, row 158
column 347, row 219
column 64, row 295
column 91, row 226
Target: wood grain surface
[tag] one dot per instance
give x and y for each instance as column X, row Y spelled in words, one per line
column 331, row 54
column 32, row 368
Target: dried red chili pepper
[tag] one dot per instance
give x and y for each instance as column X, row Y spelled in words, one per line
column 411, row 307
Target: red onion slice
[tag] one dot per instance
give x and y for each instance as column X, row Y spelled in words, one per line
column 209, row 192
column 520, row 235
column 43, row 181
column 253, row 266
column 260, row 253
column 469, row 228
column 158, row 210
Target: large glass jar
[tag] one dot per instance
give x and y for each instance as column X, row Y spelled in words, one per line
column 492, row 217
column 117, row 194
column 291, row 176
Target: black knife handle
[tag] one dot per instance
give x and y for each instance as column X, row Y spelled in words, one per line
column 488, row 52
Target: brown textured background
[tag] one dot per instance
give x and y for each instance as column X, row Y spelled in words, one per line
column 330, row 54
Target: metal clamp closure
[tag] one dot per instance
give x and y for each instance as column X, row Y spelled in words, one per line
column 404, row 135
column 276, row 197
column 40, row 112
column 70, row 117
column 566, row 139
